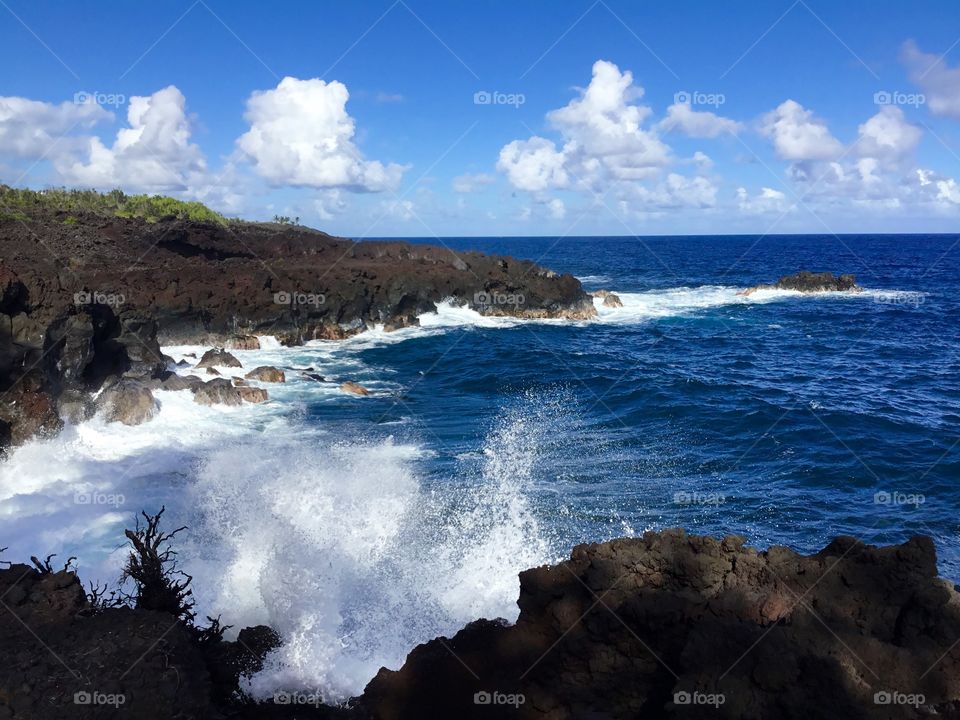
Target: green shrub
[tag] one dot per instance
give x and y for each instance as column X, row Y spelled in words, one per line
column 19, row 202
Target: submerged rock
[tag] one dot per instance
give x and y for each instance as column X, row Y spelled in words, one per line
column 266, row 373
column 354, row 388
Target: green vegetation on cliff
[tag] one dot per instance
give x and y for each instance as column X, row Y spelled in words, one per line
column 22, row 204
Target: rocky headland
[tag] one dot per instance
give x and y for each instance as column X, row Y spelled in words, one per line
column 663, row 626
column 88, row 296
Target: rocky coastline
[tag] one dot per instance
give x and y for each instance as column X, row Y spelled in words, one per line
column 87, row 300
column 667, row 625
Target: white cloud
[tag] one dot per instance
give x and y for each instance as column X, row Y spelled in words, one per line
column 698, row 124
column 604, row 140
column 676, row 191
column 533, row 164
column 798, row 135
column 154, row 153
column 888, row 135
column 30, row 128
column 301, row 135
column 940, row 83
column 469, row 183
column 767, row 200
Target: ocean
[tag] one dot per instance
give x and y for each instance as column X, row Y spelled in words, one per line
column 359, row 527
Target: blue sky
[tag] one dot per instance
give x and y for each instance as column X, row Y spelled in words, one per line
column 603, row 117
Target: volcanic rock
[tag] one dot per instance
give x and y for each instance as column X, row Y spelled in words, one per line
column 129, row 402
column 218, row 357
column 217, row 392
column 265, row 373
column 810, row 282
column 244, row 342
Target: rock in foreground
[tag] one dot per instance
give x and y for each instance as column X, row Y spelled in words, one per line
column 677, row 626
column 664, row 626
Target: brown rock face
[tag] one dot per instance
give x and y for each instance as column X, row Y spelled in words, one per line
column 253, row 394
column 673, row 626
column 244, row 342
column 265, row 373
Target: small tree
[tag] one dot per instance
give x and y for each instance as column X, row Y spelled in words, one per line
column 152, row 565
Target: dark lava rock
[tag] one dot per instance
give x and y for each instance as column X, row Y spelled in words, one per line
column 218, row 356
column 810, row 282
column 671, row 625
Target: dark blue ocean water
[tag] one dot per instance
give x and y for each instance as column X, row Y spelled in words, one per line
column 788, row 422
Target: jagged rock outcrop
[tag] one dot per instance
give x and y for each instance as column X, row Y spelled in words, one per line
column 53, row 357
column 671, row 625
column 218, row 357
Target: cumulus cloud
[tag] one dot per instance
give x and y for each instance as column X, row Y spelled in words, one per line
column 154, row 153
column 798, row 135
column 31, row 129
column 888, row 135
column 469, row 183
column 301, row 135
column 940, row 83
column 604, row 140
column 683, row 118
column 533, row 164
